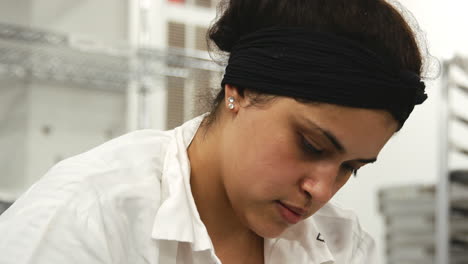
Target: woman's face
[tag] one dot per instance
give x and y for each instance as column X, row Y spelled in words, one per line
column 285, row 160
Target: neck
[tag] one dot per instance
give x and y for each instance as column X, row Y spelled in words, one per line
column 214, row 207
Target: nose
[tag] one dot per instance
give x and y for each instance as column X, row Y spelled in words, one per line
column 320, row 182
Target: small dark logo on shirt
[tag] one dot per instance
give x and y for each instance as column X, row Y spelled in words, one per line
column 319, row 238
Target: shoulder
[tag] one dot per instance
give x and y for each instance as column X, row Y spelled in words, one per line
column 127, row 167
column 344, row 235
column 128, row 150
column 111, row 191
column 128, row 159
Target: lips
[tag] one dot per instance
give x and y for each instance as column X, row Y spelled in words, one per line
column 295, row 209
column 289, row 213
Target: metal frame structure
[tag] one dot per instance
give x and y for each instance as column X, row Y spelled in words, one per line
column 50, row 56
column 40, row 55
column 442, row 194
column 448, row 146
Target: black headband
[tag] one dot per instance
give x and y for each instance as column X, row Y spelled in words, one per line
column 322, row 67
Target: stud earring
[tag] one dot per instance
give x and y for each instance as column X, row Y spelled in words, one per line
column 231, row 102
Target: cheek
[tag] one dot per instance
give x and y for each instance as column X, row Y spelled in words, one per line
column 342, row 182
column 268, row 167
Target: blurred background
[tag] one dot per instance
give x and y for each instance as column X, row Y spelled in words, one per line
column 74, row 74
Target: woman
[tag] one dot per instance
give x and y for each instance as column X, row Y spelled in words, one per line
column 312, row 92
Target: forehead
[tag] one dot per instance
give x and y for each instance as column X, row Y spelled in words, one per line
column 323, row 111
column 354, row 127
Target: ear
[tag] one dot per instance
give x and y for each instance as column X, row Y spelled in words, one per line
column 232, row 91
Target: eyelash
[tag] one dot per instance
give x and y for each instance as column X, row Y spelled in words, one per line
column 352, row 169
column 310, row 149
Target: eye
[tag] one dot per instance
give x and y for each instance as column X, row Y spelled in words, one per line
column 351, row 169
column 309, row 148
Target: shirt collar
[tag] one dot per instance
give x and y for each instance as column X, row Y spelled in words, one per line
column 177, row 218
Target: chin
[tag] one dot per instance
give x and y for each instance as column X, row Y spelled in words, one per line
column 270, row 230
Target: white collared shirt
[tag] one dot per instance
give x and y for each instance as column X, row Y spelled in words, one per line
column 129, row 201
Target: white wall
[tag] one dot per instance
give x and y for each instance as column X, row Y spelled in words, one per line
column 14, row 109
column 411, row 156
column 103, row 20
column 78, row 119
column 18, row 13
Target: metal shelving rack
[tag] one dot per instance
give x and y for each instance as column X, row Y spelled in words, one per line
column 43, row 55
column 408, row 213
column 452, row 189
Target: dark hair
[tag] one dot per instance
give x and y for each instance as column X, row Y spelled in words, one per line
column 375, row 24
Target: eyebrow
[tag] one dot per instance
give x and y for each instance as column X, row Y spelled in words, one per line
column 338, row 145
